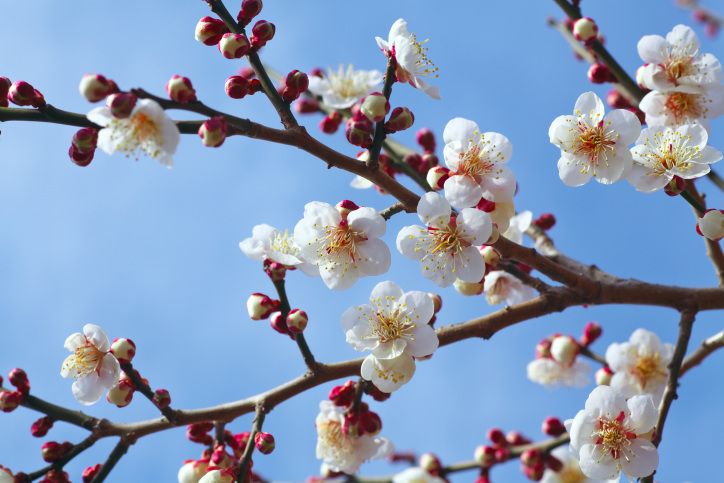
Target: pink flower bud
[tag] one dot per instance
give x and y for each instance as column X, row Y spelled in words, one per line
column 516, row 438
column 490, row 255
column 161, row 398
column 429, row 161
column 121, row 104
column 530, row 457
column 276, row 271
column 40, row 427
column 264, row 442
column 95, row 87
column 370, row 423
column 534, row 472
column 297, row 321
column 400, row 119
column 553, row 426
column 209, row 30
column 330, row 123
column 600, row 73
column 198, row 432
column 485, row 456
column 261, row 33
column 375, row 107
column 23, row 94
column 121, row 394
column 345, row 207
column 261, row 306
column 85, row 139
column 279, row 324
column 591, row 332
column 543, row 349
column 497, row 437
column 617, row 100
column 90, row 472
column 236, row 87
column 5, row 84
column 306, row 105
column 295, row 83
column 249, row 10
column 430, row 463
column 585, row 30
column 603, row 376
column 213, row 132
column 234, row 46
column 546, row 221
column 10, row 400
column 711, row 225
column 180, row 89
column 675, row 186
column 426, row 139
column 437, row 176
column 359, row 132
column 123, row 349
column 52, row 451
column 502, row 454
column 81, row 157
column 486, row 205
column 564, row 349
column 52, row 476
column 343, row 395
column 18, row 378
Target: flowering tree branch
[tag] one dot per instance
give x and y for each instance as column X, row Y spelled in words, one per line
column 65, row 459
column 706, row 348
column 379, row 137
column 250, row 444
column 120, row 449
column 299, row 338
column 713, row 248
column 142, row 386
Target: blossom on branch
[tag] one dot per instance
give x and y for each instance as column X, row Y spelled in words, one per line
column 500, row 286
column 342, row 88
column 559, row 364
column 267, row 242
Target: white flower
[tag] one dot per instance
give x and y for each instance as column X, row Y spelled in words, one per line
column 674, row 108
column 388, row 375
column 640, row 365
column 477, row 164
column 269, row 242
column 571, row 471
column 711, row 225
column 218, row 476
column 610, row 435
column 447, row 246
column 500, row 286
column 147, row 129
column 518, row 224
column 663, row 152
column 341, row 89
column 675, row 62
column 500, row 212
column 343, row 249
column 593, row 145
column 192, row 471
column 340, row 451
column 549, row 372
column 412, row 61
column 416, row 475
column 392, row 323
column 90, row 364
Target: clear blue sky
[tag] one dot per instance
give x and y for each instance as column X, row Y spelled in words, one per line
column 152, row 254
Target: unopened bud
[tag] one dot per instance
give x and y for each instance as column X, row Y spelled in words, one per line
column 485, row 456
column 468, row 288
column 261, row 33
column 123, row 349
column 198, row 432
column 617, row 100
column 90, row 472
column 437, row 176
column 121, row 104
column 264, row 442
column 121, row 394
column 343, row 395
column 23, row 94
column 40, row 427
column 209, row 30
column 161, row 398
column 564, row 349
column 599, row 73
column 306, row 105
column 375, row 107
column 430, row 463
column 19, row 378
column 530, row 457
column 502, row 454
column 546, row 221
column 711, row 225
column 180, row 89
column 591, row 332
column 675, row 186
column 426, row 139
column 553, row 426
column 370, row 423
column 345, row 207
column 276, row 271
column 236, row 87
column 213, row 132
column 543, row 349
column 95, row 87
column 535, row 471
column 249, row 10
column 553, row 463
column 585, row 29
column 295, row 83
column 10, row 400
column 85, row 139
column 429, row 161
column 603, row 376
column 359, row 132
column 297, row 321
column 516, row 438
column 436, row 302
column 234, row 46
column 279, row 323
column 5, row 84
column 497, row 437
column 52, row 476
column 490, row 255
column 81, row 157
column 52, row 451
column 330, row 123
column 400, row 119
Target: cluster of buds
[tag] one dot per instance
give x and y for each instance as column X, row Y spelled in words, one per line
column 261, row 306
column 180, row 89
column 358, row 419
column 545, row 221
column 52, row 476
column 359, row 131
column 95, row 87
column 40, row 427
column 52, row 451
column 121, row 394
column 599, row 73
column 213, row 131
column 239, row 86
column 295, row 83
column 83, row 146
column 10, row 400
column 711, row 225
column 498, row 450
column 21, row 93
column 199, row 432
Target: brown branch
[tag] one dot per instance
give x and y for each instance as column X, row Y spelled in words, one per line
column 59, row 413
column 706, row 348
column 307, row 355
column 713, row 249
column 118, row 451
column 380, row 134
column 58, row 465
column 256, row 426
column 392, row 210
column 539, row 285
column 142, row 387
column 586, row 352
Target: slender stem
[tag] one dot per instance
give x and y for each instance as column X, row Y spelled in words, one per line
column 692, row 201
column 118, row 451
column 359, row 392
column 256, row 426
column 400, row 163
column 60, row 413
column 702, row 352
column 299, row 338
column 525, row 277
column 392, row 210
column 146, row 390
column 586, row 352
column 376, row 147
column 716, row 179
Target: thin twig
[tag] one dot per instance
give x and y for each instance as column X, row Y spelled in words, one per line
column 299, row 338
column 376, row 147
column 392, row 210
column 256, row 426
column 586, row 352
column 58, row 465
column 706, row 348
column 118, row 451
column 142, row 387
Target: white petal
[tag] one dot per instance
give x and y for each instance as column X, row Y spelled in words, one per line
column 651, row 48
column 698, row 136
column 74, row 341
column 589, row 104
column 606, row 401
column 573, row 172
column 461, row 130
column 88, row 389
column 581, row 429
column 462, row 191
column 597, row 464
column 97, row 337
column 497, row 146
column 106, row 142
column 374, row 257
column 562, row 131
column 433, row 210
column 475, row 225
column 361, row 183
column 425, row 341
column 386, row 291
column 410, row 240
column 388, row 375
column 109, row 371
column 684, row 40
column 644, row 180
column 644, row 459
column 643, row 413
column 399, row 27
column 626, row 124
column 610, row 170
column 367, row 221
column 418, row 305
column 100, row 115
column 499, row 186
column 470, row 266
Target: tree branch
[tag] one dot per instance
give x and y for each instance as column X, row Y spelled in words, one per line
column 118, row 451
column 376, row 147
column 299, row 338
column 702, row 352
column 250, row 444
column 145, row 389
column 58, row 465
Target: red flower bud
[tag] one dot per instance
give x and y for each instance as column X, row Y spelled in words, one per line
column 553, row 426
column 161, row 398
column 180, row 89
column 591, row 332
column 497, row 437
column 80, row 157
column 249, row 10
column 297, row 321
column 18, row 378
column 306, row 106
column 40, row 427
column 53, row 451
column 400, row 119
column 264, row 442
column 437, row 176
column 95, row 87
column 261, row 306
column 23, row 94
column 236, row 87
column 85, row 139
column 234, row 46
column 485, row 456
column 426, row 139
column 370, row 423
column 121, row 104
column 530, row 457
column 5, row 84
column 600, row 73
column 430, row 463
column 279, row 324
column 617, row 100
column 359, row 132
column 546, row 221
column 261, row 33
column 295, row 83
column 213, row 132
column 10, row 400
column 330, row 123
column 343, row 395
column 209, row 30
column 276, row 271
column 90, row 472
column 515, row 438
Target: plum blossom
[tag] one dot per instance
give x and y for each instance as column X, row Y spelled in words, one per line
column 711, row 224
column 345, row 452
column 412, row 61
column 500, row 286
column 571, row 471
column 343, row 248
column 640, row 365
column 269, row 242
column 340, row 89
column 477, row 164
column 90, row 363
column 674, row 108
column 447, row 246
column 558, row 364
column 416, row 475
column 517, row 226
column 388, row 375
column 662, row 152
column 611, row 435
column 675, row 63
column 593, row 145
column 147, row 129
column 192, row 471
column 392, row 323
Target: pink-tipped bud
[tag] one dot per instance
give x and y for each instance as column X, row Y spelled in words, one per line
column 261, row 306
column 359, row 132
column 585, row 30
column 279, row 324
column 429, row 161
column 470, row 289
column 485, row 456
column 180, row 89
column 121, row 394
column 497, row 437
column 437, row 176
column 121, row 104
column 52, row 451
column 249, row 10
column 375, row 107
column 343, row 395
column 5, row 84
column 426, row 139
column 711, row 225
column 161, row 398
column 234, row 46
column 591, row 332
column 400, row 119
column 240, row 440
column 264, row 442
column 40, row 427
column 81, row 157
column 330, row 123
column 23, row 94
column 90, row 472
column 530, row 457
column 295, row 83
column 95, row 87
column 85, row 139
column 502, row 454
column 276, row 271
column 546, row 221
column 564, row 349
column 236, row 87
column 209, row 30
column 543, row 349
column 599, row 73
column 675, row 186
column 306, row 105
column 213, row 132
column 603, row 376
column 535, row 471
column 516, row 438
column 553, row 426
column 19, row 378
column 491, row 256
column 10, row 400
column 123, row 349
column 345, row 207
column 430, row 463
column 261, row 33
column 297, row 321
column 198, row 433
column 370, row 423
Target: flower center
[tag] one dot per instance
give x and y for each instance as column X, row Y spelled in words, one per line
column 86, row 359
column 614, row 436
column 474, row 163
column 682, row 106
column 448, row 239
column 648, row 368
column 424, row 67
column 282, row 243
column 391, row 326
column 140, row 132
column 669, row 150
column 346, row 83
column 595, row 142
column 678, row 67
column 341, row 239
column 332, row 436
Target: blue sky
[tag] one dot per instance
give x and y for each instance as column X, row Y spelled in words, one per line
column 152, row 254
